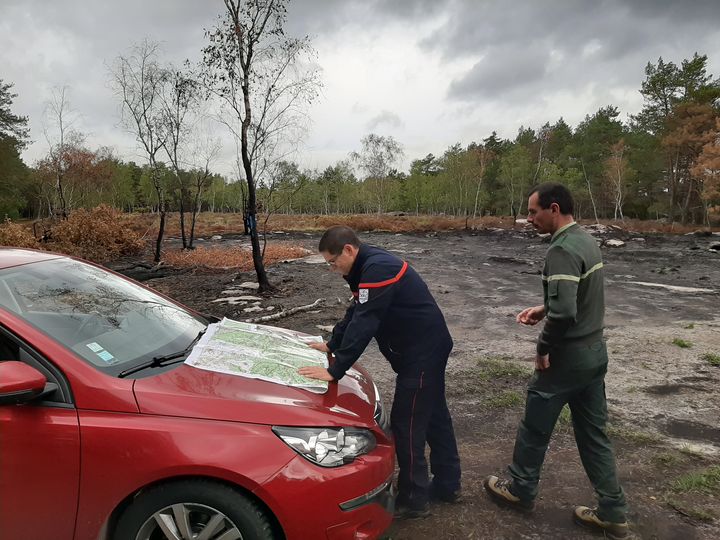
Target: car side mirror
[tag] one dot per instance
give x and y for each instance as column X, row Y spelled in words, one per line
column 19, row 383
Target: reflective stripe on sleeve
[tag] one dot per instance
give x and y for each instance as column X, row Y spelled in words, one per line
column 598, row 266
column 561, row 277
column 387, row 281
column 568, row 277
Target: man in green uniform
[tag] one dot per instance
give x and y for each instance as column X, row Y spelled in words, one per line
column 570, row 366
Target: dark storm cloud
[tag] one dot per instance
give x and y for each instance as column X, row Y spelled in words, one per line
column 691, row 11
column 603, row 41
column 513, row 56
column 473, row 25
column 501, row 71
column 327, row 17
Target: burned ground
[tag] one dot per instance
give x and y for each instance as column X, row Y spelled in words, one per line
column 662, row 383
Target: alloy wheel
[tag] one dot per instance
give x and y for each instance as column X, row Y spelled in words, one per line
column 188, row 521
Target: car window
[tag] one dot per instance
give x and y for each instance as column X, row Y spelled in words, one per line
column 107, row 320
column 9, row 349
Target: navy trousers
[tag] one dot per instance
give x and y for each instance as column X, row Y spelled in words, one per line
column 420, row 415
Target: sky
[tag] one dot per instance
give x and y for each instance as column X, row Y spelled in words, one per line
column 430, row 73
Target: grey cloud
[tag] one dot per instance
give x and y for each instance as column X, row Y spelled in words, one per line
column 330, row 17
column 521, row 53
column 690, row 11
column 102, row 26
column 500, row 72
column 52, row 44
column 626, row 36
column 472, row 26
column 385, row 118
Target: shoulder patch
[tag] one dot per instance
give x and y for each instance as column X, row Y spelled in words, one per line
column 363, row 295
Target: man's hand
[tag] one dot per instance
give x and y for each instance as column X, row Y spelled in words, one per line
column 531, row 316
column 312, row 372
column 322, row 347
column 542, row 361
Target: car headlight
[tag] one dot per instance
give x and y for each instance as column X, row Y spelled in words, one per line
column 328, row 447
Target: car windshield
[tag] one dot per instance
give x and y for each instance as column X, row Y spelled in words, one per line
column 110, row 322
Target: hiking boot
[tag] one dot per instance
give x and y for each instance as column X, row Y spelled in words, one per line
column 587, row 517
column 499, row 491
column 407, row 512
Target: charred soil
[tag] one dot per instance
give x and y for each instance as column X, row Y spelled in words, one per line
column 662, row 384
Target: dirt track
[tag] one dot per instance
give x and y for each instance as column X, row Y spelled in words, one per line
column 663, row 399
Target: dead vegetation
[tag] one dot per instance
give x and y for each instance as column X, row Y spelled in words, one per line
column 220, row 223
column 16, row 235
column 101, row 234
column 232, row 257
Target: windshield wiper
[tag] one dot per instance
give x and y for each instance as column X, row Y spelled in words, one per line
column 165, row 359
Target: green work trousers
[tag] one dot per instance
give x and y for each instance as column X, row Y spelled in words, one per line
column 576, row 376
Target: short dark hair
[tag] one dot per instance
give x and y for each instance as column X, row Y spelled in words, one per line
column 551, row 192
column 334, row 239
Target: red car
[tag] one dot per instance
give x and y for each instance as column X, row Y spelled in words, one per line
column 106, row 434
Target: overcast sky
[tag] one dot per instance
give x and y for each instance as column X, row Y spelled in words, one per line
column 428, row 72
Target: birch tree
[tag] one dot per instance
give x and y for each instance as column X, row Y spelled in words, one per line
column 61, row 137
column 264, row 80
column 180, row 96
column 616, row 173
column 138, row 80
column 376, row 159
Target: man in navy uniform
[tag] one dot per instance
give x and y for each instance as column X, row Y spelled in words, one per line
column 570, row 362
column 393, row 304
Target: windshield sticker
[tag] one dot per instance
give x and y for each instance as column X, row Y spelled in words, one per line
column 104, row 355
column 94, row 347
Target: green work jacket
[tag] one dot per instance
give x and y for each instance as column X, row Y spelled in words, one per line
column 573, row 290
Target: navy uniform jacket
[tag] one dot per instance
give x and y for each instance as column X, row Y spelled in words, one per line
column 392, row 304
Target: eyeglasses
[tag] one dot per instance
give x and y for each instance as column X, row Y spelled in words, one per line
column 331, row 262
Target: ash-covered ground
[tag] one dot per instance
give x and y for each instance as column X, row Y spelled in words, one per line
column 662, row 386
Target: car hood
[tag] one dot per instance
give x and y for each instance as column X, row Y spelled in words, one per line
column 197, row 393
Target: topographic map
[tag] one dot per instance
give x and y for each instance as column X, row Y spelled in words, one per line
column 259, row 352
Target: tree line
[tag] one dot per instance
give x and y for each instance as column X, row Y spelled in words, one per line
column 663, row 163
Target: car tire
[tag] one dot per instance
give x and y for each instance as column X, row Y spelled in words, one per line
column 188, row 508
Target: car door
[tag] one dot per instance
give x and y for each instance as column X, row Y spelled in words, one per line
column 39, row 457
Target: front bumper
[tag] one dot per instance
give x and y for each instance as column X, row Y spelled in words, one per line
column 383, row 495
column 355, row 501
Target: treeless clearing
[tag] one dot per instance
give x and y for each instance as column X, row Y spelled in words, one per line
column 663, row 398
column 100, row 227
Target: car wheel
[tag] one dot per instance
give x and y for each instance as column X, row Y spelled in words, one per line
column 193, row 510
